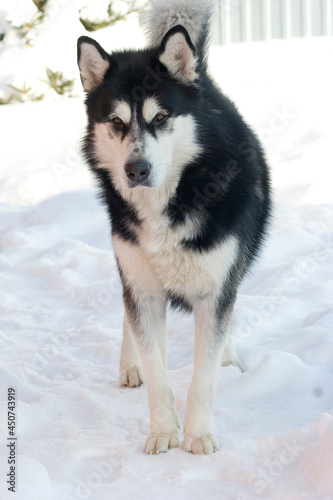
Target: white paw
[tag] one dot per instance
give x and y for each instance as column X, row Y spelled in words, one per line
column 161, row 443
column 131, row 377
column 205, row 445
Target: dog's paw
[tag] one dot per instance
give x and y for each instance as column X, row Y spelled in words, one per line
column 131, row 377
column 161, row 443
column 205, row 445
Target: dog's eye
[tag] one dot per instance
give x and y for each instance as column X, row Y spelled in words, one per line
column 118, row 121
column 159, row 117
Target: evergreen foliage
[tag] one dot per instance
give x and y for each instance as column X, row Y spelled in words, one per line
column 57, row 82
column 55, row 79
column 112, row 16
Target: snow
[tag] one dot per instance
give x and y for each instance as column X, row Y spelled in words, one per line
column 53, row 43
column 80, row 436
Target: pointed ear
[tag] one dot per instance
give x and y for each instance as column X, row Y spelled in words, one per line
column 177, row 53
column 93, row 62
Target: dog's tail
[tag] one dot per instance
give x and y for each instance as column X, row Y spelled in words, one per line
column 194, row 15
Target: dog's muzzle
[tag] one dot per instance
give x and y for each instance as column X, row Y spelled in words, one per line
column 137, row 172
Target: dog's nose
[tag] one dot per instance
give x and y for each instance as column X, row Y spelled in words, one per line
column 138, row 171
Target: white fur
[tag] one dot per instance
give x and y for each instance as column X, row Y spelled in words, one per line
column 160, row 263
column 198, row 424
column 159, row 152
column 130, row 370
column 164, row 421
column 229, row 354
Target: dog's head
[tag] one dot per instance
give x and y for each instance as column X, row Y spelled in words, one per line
column 141, row 107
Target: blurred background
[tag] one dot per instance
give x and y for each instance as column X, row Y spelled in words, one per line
column 252, row 20
column 38, row 37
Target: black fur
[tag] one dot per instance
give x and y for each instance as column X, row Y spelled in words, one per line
column 179, row 302
column 123, row 217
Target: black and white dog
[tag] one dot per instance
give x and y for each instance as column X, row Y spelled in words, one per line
column 186, row 187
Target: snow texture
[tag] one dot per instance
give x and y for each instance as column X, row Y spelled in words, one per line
column 80, row 436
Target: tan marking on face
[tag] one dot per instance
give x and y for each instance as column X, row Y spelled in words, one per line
column 122, row 111
column 150, row 109
column 112, row 153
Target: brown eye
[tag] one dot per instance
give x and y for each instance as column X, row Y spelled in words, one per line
column 117, row 120
column 159, row 117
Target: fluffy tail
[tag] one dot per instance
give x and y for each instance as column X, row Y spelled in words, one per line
column 194, row 15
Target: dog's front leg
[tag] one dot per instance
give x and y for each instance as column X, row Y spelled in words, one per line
column 210, row 337
column 130, row 371
column 147, row 319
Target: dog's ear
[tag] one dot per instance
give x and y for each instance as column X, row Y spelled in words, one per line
column 177, row 53
column 93, row 62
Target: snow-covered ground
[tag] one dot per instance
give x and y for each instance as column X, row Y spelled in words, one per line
column 80, row 436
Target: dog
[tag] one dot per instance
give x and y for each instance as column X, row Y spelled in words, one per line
column 187, row 190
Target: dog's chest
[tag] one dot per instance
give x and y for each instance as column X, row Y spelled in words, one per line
column 187, row 272
column 159, row 260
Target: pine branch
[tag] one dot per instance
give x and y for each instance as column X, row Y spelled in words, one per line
column 22, row 95
column 58, row 83
column 40, row 4
column 26, row 28
column 112, row 17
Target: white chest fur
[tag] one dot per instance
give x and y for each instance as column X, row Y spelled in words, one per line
column 161, row 263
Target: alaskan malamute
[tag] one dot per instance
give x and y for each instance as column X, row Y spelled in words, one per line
column 186, row 186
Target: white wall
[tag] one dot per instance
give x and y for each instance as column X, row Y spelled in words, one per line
column 246, row 20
